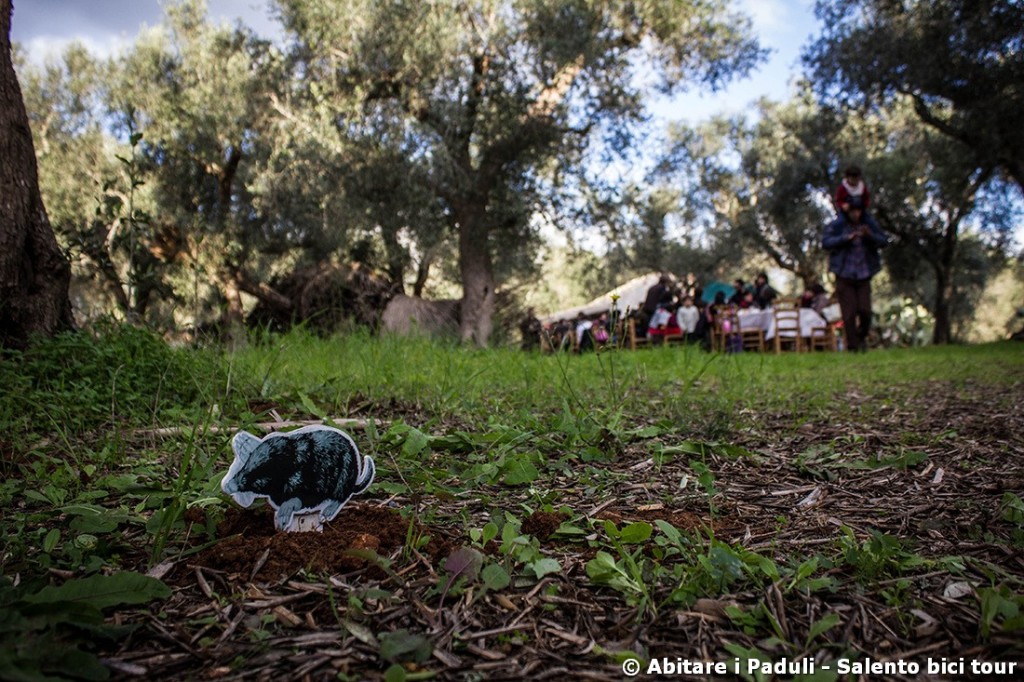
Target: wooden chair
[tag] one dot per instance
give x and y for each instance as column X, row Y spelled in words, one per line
column 679, row 338
column 787, row 329
column 720, row 331
column 822, row 338
column 729, row 333
column 751, row 338
column 635, row 340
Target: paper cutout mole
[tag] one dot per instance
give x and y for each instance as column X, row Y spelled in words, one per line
column 313, row 469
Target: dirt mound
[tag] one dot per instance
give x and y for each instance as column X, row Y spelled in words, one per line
column 249, row 538
column 542, row 525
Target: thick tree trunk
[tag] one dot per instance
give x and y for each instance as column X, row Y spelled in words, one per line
column 477, row 272
column 233, row 316
column 34, row 274
column 943, row 303
column 944, row 268
column 942, row 308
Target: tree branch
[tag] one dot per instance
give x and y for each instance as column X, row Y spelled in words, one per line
column 260, row 290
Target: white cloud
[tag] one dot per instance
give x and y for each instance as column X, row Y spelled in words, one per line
column 769, row 16
column 42, row 48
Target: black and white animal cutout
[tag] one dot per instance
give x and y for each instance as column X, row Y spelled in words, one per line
column 315, row 469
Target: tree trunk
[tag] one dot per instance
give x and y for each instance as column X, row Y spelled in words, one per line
column 233, row 317
column 477, row 276
column 422, row 274
column 943, row 302
column 944, row 267
column 34, row 274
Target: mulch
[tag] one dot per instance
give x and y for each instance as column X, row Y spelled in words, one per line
column 264, row 605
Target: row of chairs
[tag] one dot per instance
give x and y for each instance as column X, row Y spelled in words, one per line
column 730, row 334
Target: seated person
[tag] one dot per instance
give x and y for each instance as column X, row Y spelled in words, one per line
column 740, row 291
column 662, row 324
column 764, row 295
column 584, row 335
column 600, row 330
column 658, row 294
column 560, row 336
column 708, row 318
column 819, row 299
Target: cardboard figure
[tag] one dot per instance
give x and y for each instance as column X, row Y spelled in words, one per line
column 313, row 470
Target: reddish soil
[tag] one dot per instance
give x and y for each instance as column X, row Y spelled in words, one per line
column 342, row 546
column 542, row 525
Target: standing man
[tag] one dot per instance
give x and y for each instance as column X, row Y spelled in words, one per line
column 853, row 244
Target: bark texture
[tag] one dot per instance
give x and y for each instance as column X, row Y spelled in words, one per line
column 34, row 273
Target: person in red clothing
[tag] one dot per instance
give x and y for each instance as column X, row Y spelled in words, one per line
column 852, row 186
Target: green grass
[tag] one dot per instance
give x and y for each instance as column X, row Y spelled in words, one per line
column 88, row 490
column 661, row 383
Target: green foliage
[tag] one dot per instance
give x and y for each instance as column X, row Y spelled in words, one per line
column 967, row 92
column 762, row 181
column 1001, row 608
column 80, row 381
column 1012, row 509
column 885, row 556
column 42, row 631
column 120, row 501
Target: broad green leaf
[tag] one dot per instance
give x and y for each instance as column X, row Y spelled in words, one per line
column 567, row 528
column 51, row 540
column 36, row 496
column 670, row 531
column 103, row 591
column 543, row 567
column 603, row 568
column 395, row 673
column 404, row 646
column 415, row 442
column 490, row 531
column 520, row 471
column 828, row 622
column 495, row 577
column 636, row 532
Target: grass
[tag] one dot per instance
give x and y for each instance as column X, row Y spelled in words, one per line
column 474, row 443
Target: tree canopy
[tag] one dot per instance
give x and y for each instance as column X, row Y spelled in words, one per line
column 961, row 62
column 489, row 97
column 440, row 143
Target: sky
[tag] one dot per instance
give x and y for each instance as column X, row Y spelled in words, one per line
column 45, row 27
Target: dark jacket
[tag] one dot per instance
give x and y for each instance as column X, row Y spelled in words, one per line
column 838, row 243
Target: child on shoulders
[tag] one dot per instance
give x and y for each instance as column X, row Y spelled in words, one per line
column 852, row 186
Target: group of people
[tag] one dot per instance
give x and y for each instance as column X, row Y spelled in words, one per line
column 677, row 309
column 759, row 294
column 686, row 315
